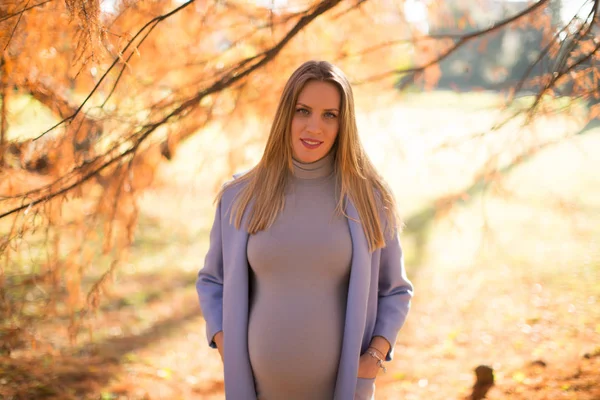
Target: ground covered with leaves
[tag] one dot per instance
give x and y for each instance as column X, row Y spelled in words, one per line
column 168, row 359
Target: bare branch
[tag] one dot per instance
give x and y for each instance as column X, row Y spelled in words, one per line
column 539, row 58
column 20, row 12
column 12, row 33
column 462, row 40
column 125, row 63
column 559, row 74
column 155, row 20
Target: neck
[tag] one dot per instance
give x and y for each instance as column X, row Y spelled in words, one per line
column 314, row 170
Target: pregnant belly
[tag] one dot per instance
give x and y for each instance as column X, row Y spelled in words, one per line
column 296, row 342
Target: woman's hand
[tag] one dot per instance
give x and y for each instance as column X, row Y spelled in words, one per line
column 367, row 366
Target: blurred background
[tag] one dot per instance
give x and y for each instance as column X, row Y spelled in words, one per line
column 120, row 119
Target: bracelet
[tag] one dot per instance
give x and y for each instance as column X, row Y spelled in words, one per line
column 379, row 360
column 377, row 350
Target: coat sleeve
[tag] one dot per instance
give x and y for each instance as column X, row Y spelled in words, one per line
column 394, row 293
column 209, row 284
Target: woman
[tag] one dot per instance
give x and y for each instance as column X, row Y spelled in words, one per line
column 303, row 288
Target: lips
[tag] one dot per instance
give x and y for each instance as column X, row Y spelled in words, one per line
column 311, row 143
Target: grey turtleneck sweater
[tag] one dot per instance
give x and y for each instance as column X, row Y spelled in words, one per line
column 299, row 272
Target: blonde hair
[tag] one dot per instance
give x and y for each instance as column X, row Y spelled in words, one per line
column 263, row 187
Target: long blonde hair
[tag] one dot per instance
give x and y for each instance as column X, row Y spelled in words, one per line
column 263, row 187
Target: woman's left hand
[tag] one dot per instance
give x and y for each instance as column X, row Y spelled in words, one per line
column 367, row 366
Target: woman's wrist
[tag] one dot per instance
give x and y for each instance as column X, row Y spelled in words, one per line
column 368, row 366
column 379, row 352
column 380, row 344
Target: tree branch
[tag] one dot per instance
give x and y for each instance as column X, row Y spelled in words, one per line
column 236, row 74
column 462, row 40
column 558, row 75
column 155, row 20
column 26, row 8
column 12, row 33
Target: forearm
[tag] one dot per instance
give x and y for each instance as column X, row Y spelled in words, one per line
column 394, row 295
column 210, row 281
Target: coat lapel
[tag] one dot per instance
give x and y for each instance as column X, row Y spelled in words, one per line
column 239, row 381
column 356, row 309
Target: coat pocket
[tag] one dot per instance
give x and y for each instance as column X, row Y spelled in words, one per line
column 365, row 389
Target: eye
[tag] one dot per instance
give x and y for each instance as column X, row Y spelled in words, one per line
column 302, row 111
column 330, row 115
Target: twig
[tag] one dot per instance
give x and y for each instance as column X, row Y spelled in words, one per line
column 15, row 28
column 462, row 40
column 152, row 21
column 20, row 12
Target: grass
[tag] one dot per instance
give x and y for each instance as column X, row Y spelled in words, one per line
column 507, row 277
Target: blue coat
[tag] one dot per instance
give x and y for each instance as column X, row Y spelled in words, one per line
column 379, row 296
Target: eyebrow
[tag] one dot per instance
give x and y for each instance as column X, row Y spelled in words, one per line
column 327, row 109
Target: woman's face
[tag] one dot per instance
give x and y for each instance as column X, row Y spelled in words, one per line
column 316, row 121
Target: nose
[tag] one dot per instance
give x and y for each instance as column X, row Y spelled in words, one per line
column 313, row 125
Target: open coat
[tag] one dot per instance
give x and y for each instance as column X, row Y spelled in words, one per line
column 379, row 296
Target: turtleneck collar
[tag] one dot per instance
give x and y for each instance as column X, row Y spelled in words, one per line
column 314, row 170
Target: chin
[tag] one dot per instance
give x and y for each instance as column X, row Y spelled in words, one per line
column 309, row 158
